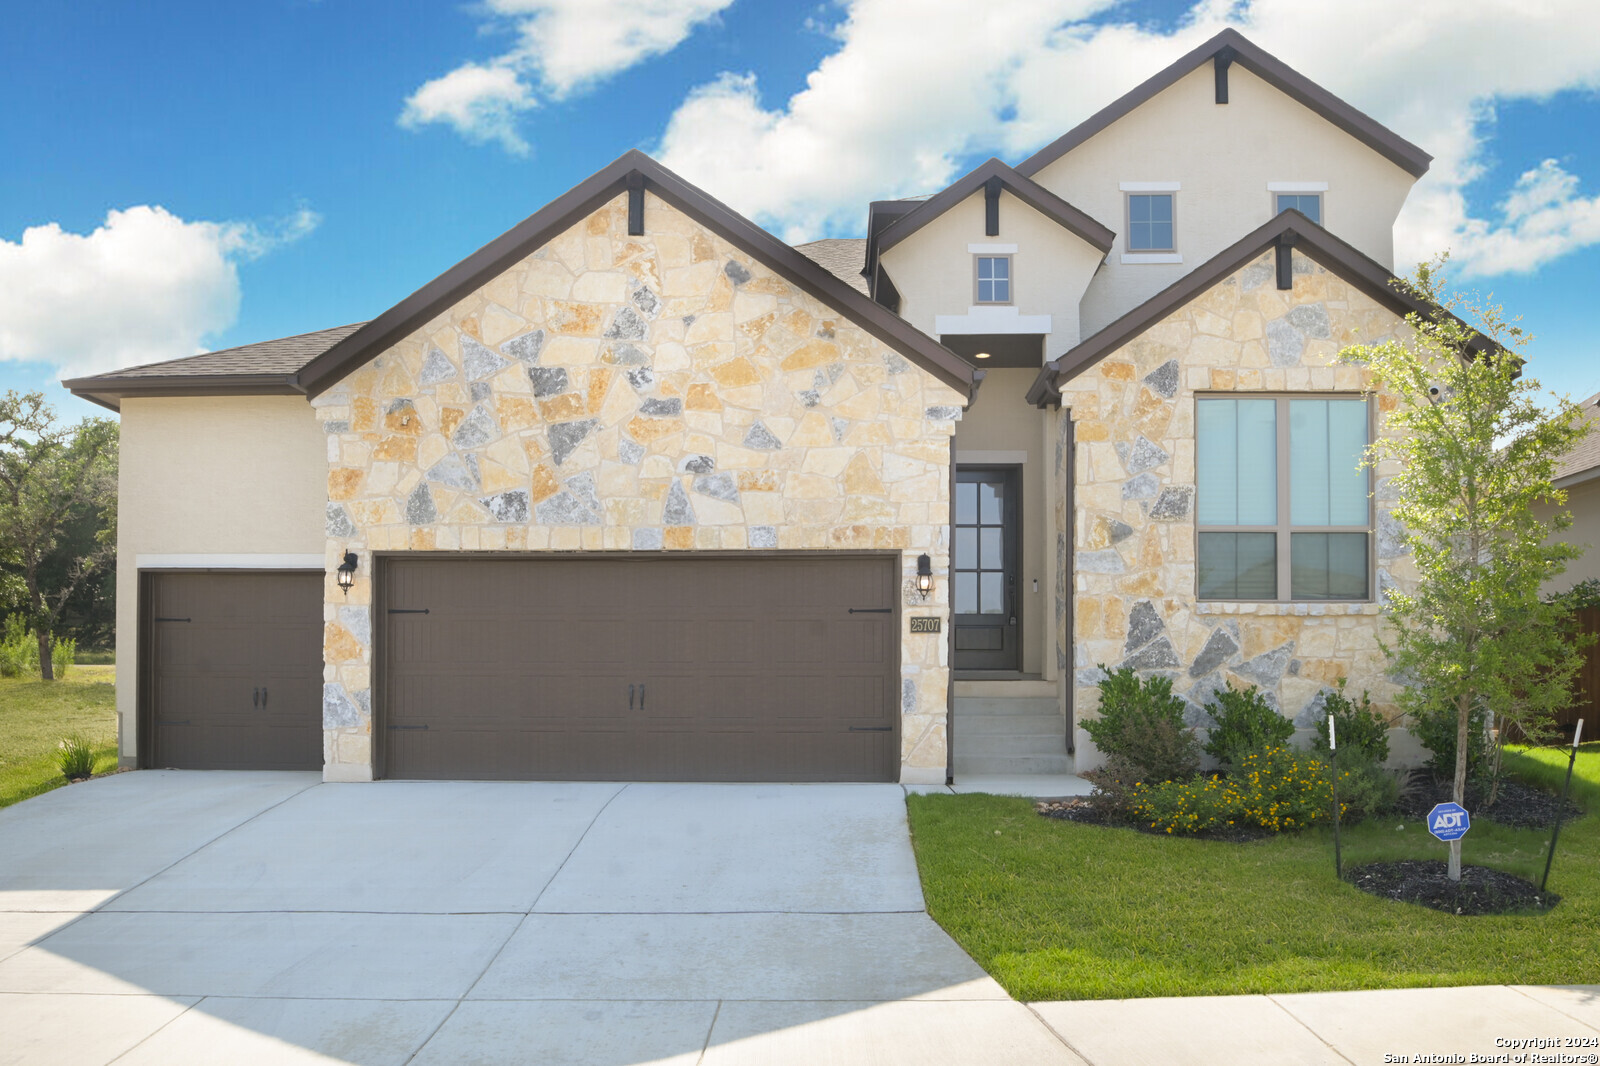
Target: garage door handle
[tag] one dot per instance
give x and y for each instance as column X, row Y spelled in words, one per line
column 872, row 610
column 255, row 697
column 406, row 727
column 871, row 728
column 641, row 697
column 263, row 697
column 630, row 697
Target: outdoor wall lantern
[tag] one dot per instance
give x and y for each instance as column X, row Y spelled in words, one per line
column 924, row 576
column 347, row 572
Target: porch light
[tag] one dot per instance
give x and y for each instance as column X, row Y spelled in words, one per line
column 924, row 576
column 347, row 572
column 980, row 355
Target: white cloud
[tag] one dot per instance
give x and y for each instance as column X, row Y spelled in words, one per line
column 143, row 287
column 480, row 103
column 562, row 47
column 917, row 86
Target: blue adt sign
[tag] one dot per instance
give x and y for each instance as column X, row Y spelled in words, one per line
column 1449, row 821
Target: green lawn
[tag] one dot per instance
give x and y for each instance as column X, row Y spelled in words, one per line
column 35, row 715
column 1056, row 910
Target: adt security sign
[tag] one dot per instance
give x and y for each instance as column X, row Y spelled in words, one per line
column 1449, row 821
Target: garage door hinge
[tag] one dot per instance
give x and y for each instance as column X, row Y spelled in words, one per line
column 871, row 728
column 408, row 610
column 172, row 619
column 872, row 610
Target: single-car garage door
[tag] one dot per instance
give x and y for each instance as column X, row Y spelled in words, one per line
column 667, row 668
column 234, row 677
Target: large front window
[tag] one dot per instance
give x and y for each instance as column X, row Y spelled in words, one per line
column 1282, row 510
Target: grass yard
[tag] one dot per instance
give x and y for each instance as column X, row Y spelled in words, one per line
column 35, row 715
column 1056, row 910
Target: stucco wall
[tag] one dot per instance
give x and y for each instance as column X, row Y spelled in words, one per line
column 933, row 270
column 1134, row 590
column 228, row 481
column 661, row 392
column 1223, row 156
column 1583, row 503
column 999, row 428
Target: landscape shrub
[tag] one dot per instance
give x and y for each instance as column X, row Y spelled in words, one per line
column 63, row 655
column 1365, row 787
column 1245, row 722
column 75, row 756
column 1435, row 729
column 19, row 649
column 1360, row 728
column 1142, row 721
column 1113, row 783
column 1275, row 788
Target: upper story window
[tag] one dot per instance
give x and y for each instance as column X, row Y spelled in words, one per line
column 993, row 279
column 1283, row 511
column 1308, row 204
column 1150, row 222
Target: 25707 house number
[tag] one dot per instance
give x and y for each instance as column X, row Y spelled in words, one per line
column 926, row 625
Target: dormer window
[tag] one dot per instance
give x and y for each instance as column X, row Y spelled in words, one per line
column 1308, row 204
column 1151, row 225
column 993, row 279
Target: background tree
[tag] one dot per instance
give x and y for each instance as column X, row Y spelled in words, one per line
column 51, row 477
column 1476, row 452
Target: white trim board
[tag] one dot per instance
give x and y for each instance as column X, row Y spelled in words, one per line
column 991, row 458
column 232, row 561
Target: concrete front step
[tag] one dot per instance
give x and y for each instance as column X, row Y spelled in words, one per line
column 1013, row 764
column 1011, row 744
column 973, row 707
column 1007, row 689
column 1006, row 724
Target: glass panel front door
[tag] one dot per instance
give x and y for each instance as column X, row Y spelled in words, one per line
column 984, row 564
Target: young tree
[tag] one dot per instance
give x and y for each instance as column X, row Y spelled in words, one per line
column 1476, row 452
column 48, row 475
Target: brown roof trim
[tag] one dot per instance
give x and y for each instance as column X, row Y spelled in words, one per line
column 566, row 210
column 1269, row 69
column 1289, row 227
column 1025, row 189
column 108, row 390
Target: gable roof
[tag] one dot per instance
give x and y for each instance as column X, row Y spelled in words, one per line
column 1583, row 462
column 1025, row 189
column 263, row 368
column 1234, row 47
column 840, row 256
column 1290, row 228
column 630, row 170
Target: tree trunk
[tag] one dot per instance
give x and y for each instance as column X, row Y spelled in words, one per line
column 46, row 667
column 1459, row 794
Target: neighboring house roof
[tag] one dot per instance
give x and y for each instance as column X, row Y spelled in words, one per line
column 1291, row 229
column 1582, row 463
column 632, row 170
column 1025, row 189
column 311, row 362
column 265, row 367
column 1231, row 46
column 840, row 256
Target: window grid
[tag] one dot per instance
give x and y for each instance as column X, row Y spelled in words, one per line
column 1152, row 222
column 1284, row 531
column 1308, row 204
column 993, row 279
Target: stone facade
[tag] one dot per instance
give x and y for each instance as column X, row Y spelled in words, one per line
column 1134, row 589
column 617, row 393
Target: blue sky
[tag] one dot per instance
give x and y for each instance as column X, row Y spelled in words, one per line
column 285, row 165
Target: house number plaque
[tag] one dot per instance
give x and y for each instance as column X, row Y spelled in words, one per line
column 926, row 625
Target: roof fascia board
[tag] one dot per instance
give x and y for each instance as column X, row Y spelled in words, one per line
column 1028, row 191
column 108, row 390
column 1269, row 69
column 570, row 207
column 1577, row 477
column 1290, row 226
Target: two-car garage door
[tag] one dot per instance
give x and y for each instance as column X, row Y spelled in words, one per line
column 778, row 668
column 680, row 668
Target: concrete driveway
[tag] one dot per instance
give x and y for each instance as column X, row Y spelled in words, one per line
column 170, row 917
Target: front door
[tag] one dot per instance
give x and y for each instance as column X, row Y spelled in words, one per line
column 985, row 565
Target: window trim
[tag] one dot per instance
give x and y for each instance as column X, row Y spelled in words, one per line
column 1284, row 528
column 1127, row 220
column 1011, row 279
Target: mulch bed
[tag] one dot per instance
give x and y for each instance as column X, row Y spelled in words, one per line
column 1080, row 810
column 1517, row 805
column 1480, row 890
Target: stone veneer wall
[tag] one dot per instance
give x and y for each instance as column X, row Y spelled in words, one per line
column 1134, row 584
column 625, row 393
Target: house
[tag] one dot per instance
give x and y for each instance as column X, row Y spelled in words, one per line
column 638, row 491
column 1578, row 474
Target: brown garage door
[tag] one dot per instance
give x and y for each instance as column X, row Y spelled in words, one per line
column 235, row 671
column 756, row 668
